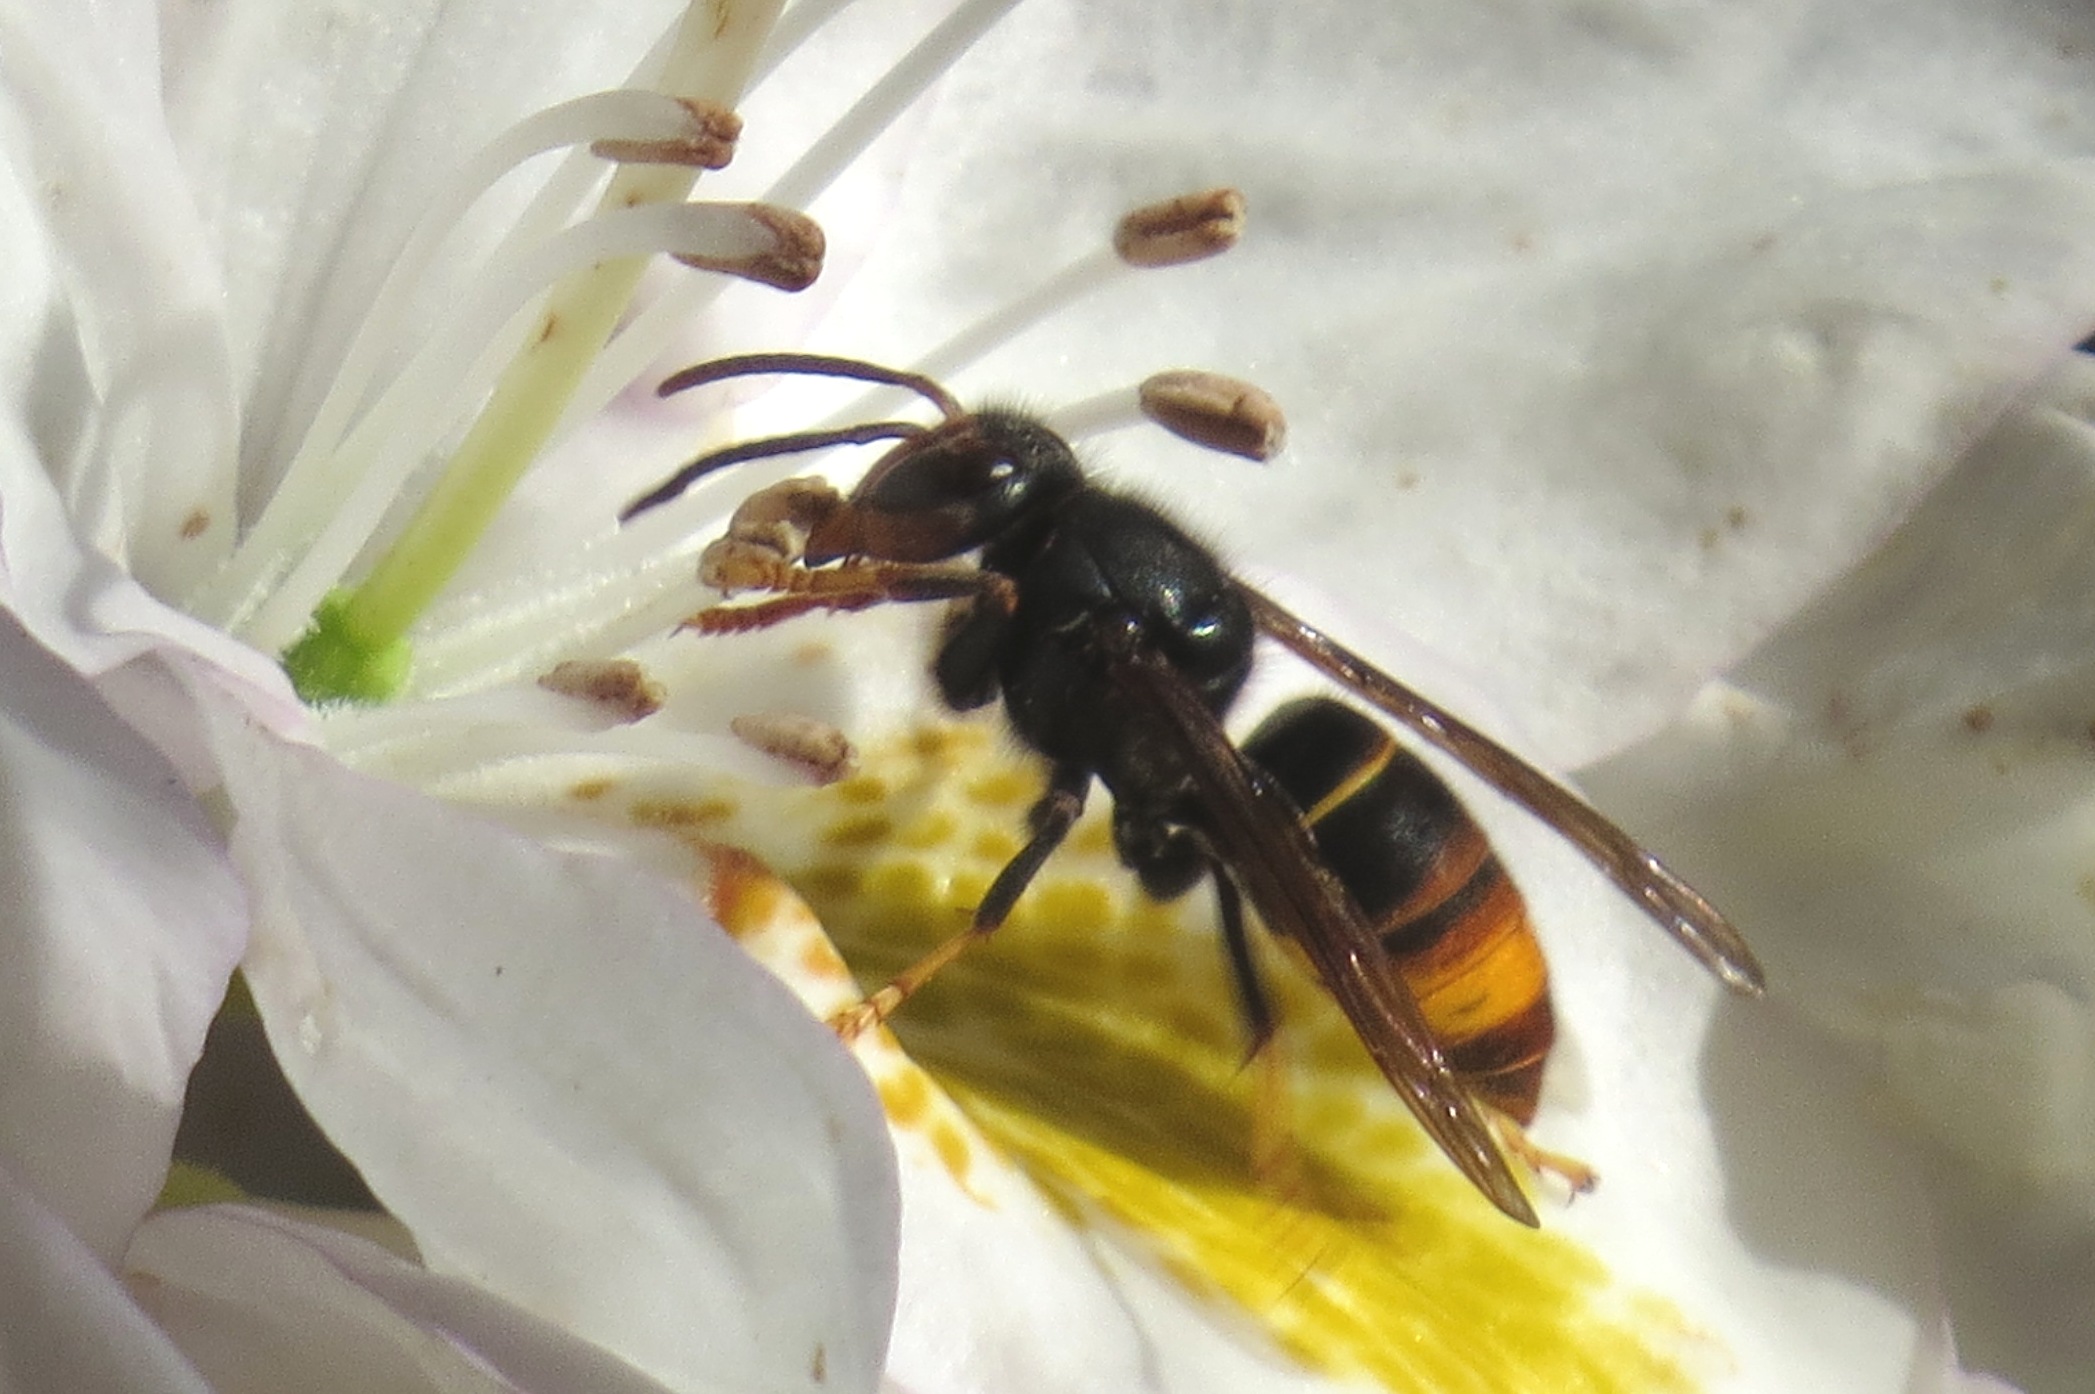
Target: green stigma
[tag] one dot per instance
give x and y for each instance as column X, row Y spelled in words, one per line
column 334, row 661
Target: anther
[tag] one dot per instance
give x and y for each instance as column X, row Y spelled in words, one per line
column 790, row 260
column 1191, row 227
column 1174, row 232
column 1218, row 412
column 619, row 686
column 708, row 142
column 817, row 749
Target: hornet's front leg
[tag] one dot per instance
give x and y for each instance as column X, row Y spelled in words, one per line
column 764, row 550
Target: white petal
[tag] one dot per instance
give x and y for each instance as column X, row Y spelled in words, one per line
column 122, row 922
column 1923, row 900
column 1607, row 338
column 103, row 624
column 991, row 1290
column 1741, row 1174
column 70, row 1324
column 263, row 1302
column 298, row 123
column 572, row 1088
column 139, row 427
column 1895, row 804
column 1976, row 596
column 992, row 1278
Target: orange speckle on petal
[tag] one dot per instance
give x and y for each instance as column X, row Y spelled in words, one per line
column 741, row 892
column 819, row 960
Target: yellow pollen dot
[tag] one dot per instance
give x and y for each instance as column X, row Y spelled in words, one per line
column 900, row 883
column 828, row 882
column 1093, row 838
column 590, row 790
column 860, row 789
column 1064, row 901
column 820, row 962
column 969, row 885
column 997, row 845
column 869, row 830
column 906, row 1097
column 679, row 813
column 947, row 743
column 1005, row 788
column 954, row 1150
column 931, row 830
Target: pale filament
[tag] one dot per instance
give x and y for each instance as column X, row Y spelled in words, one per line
column 1149, row 238
column 373, row 462
column 620, row 592
column 311, row 486
column 651, row 331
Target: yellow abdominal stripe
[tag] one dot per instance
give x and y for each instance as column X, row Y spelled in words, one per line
column 1095, row 1041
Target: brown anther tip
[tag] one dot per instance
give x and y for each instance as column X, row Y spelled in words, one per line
column 618, row 685
column 791, row 262
column 816, row 748
column 1190, row 227
column 708, row 142
column 1221, row 413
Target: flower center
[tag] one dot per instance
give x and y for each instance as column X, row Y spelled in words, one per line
column 1095, row 1042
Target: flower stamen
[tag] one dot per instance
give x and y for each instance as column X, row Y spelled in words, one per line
column 1211, row 410
column 716, row 51
column 635, row 582
column 1172, row 232
column 313, row 486
column 709, row 144
column 1189, row 228
column 1151, row 237
column 789, row 261
column 643, row 340
column 815, row 748
column 619, row 687
column 392, row 438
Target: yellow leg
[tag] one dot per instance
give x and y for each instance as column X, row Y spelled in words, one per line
column 853, row 1022
column 1276, row 1162
column 1575, row 1174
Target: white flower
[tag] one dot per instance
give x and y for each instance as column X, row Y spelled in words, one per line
column 1608, row 338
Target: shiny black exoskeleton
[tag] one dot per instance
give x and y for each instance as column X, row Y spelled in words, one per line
column 1087, row 565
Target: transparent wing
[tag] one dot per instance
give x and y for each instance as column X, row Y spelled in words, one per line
column 1676, row 906
column 1263, row 840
